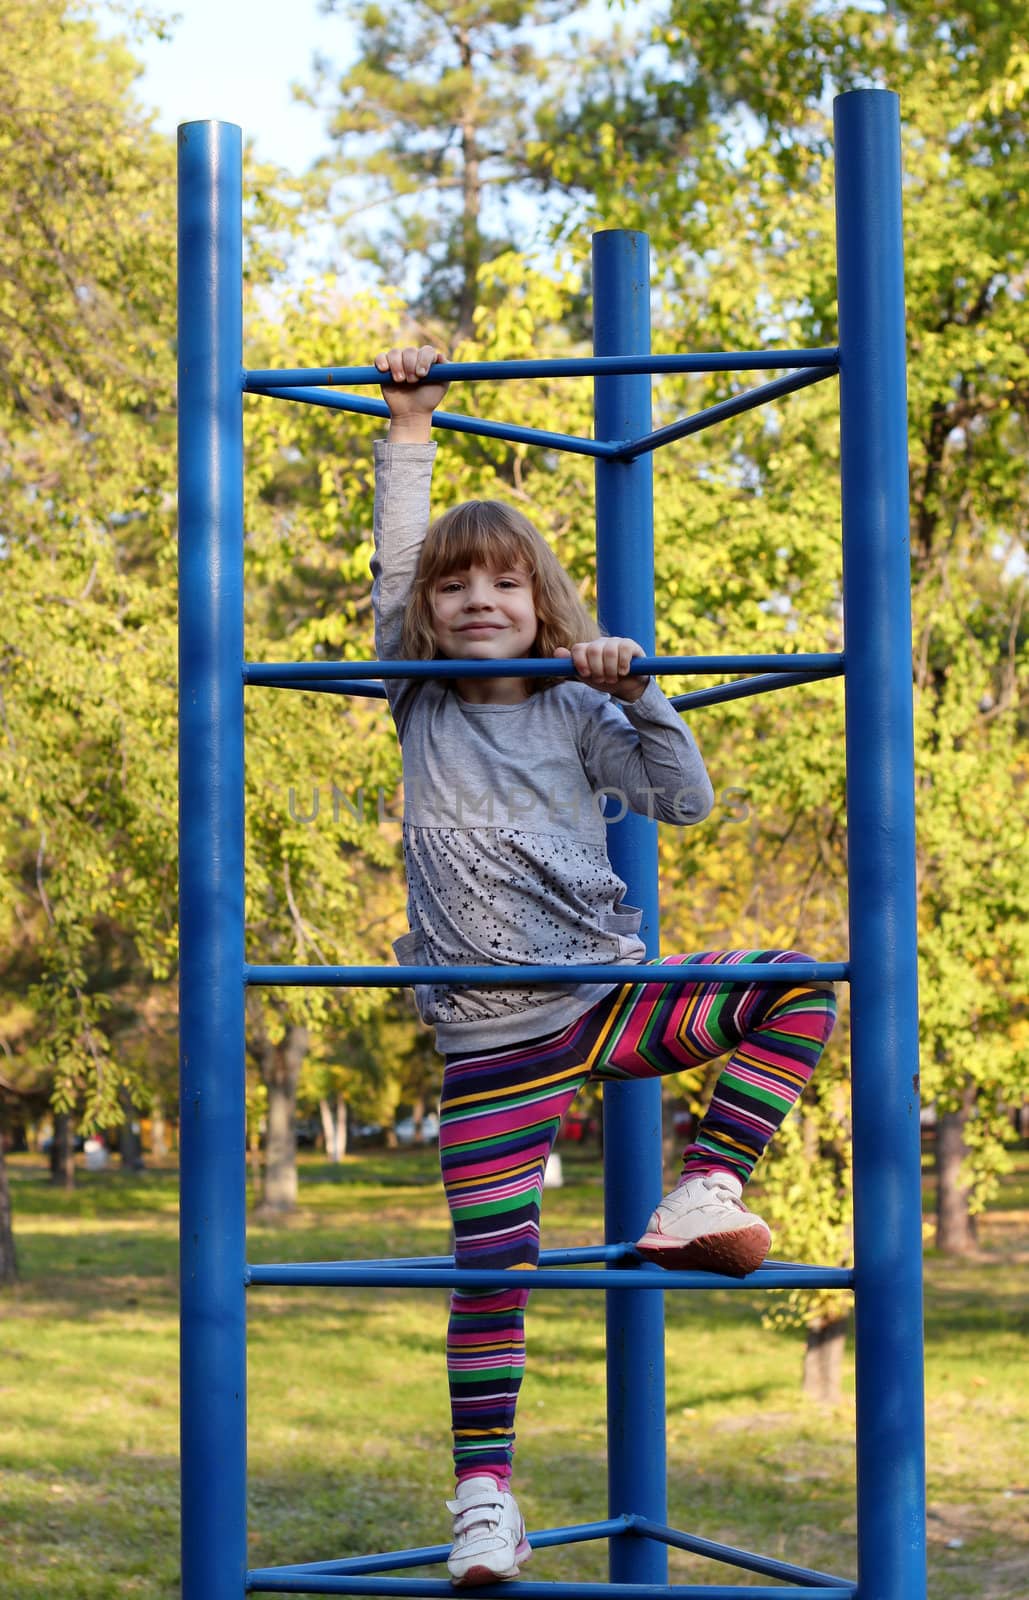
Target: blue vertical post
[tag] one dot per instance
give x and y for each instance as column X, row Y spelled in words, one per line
column 632, row 1112
column 880, row 813
column 212, row 1098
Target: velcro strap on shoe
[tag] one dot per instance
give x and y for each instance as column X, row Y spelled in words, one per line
column 482, row 1516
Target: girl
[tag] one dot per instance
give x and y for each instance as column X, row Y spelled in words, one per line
column 505, row 784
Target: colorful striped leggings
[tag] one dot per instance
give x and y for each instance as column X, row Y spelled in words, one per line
column 500, row 1114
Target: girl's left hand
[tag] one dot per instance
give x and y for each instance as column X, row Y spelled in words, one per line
column 604, row 665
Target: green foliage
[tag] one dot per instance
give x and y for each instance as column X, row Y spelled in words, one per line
column 376, row 1066
column 86, row 603
column 88, row 914
column 430, row 127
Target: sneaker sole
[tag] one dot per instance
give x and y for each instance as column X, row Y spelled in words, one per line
column 734, row 1254
column 484, row 1575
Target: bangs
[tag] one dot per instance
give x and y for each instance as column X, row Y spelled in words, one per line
column 483, row 533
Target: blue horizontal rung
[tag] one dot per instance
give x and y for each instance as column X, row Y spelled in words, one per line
column 374, row 1274
column 768, row 1566
column 548, row 1258
column 280, row 1580
column 499, row 976
column 548, row 367
column 512, row 432
column 764, row 683
column 735, row 406
column 278, row 674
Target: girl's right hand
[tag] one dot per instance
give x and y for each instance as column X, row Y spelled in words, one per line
column 411, row 403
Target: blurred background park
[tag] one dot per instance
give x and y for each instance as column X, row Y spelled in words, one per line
column 434, row 172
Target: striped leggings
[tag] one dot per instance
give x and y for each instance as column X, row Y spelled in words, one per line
column 500, row 1113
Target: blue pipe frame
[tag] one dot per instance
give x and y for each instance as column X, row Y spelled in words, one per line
column 881, row 967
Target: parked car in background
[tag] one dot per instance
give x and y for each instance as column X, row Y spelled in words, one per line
column 406, row 1129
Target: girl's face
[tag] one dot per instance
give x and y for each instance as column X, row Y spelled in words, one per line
column 484, row 615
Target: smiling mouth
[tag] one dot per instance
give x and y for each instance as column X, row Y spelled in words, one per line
column 481, row 627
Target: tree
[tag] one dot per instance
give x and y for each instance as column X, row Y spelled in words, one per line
column 432, row 123
column 88, row 916
column 377, row 1066
column 87, row 660
column 8, row 1252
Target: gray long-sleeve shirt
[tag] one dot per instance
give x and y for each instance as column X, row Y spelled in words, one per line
column 506, row 809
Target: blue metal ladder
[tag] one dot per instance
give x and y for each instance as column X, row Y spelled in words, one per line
column 881, row 968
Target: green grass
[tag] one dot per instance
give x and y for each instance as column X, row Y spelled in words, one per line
column 348, row 1418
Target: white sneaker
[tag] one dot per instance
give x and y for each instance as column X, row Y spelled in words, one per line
column 704, row 1224
column 489, row 1534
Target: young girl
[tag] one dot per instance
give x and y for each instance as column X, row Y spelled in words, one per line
column 504, row 843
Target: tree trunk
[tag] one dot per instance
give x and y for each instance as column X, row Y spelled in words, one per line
column 281, row 1065
column 130, row 1143
column 955, row 1226
column 823, row 1360
column 8, row 1258
column 158, row 1131
column 62, row 1152
column 254, row 1158
column 471, row 197
column 334, row 1127
column 328, row 1128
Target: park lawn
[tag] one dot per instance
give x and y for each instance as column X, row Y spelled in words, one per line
column 348, row 1430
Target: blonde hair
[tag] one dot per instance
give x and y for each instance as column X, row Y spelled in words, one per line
column 490, row 534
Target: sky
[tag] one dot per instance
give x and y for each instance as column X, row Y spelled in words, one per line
column 234, row 60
